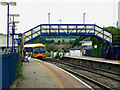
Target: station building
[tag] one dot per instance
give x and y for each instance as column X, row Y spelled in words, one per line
column 3, row 43
column 86, row 44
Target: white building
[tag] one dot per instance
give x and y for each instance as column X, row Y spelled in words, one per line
column 86, row 42
column 119, row 14
column 79, row 51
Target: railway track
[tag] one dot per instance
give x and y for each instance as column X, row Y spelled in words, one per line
column 93, row 71
column 89, row 79
column 77, row 69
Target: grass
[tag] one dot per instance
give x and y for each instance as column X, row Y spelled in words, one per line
column 20, row 81
column 19, row 70
column 19, row 74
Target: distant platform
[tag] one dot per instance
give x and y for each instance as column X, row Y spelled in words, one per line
column 95, row 59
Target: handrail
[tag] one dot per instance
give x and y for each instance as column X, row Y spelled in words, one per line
column 69, row 31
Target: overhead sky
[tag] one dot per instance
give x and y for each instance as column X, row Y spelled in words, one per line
column 35, row 12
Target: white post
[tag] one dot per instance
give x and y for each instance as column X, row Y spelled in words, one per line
column 0, row 51
column 0, row 72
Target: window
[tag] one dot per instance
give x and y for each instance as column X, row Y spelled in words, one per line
column 29, row 49
column 39, row 50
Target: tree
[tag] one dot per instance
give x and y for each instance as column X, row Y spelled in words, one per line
column 51, row 48
column 63, row 41
column 58, row 42
column 52, row 41
column 115, row 32
column 39, row 40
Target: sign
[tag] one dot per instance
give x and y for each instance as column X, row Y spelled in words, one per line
column 95, row 46
column 15, row 36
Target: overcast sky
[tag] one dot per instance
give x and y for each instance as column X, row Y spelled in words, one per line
column 35, row 12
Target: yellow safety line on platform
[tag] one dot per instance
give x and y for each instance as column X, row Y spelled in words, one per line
column 57, row 80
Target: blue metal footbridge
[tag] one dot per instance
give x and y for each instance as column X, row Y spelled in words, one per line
column 67, row 30
column 70, row 29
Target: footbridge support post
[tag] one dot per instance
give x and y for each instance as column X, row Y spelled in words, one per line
column 116, row 52
column 112, row 51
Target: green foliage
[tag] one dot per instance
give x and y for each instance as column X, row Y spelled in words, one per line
column 97, row 52
column 57, row 39
column 51, row 48
column 39, row 40
column 97, row 41
column 58, row 55
column 63, row 41
column 100, row 52
column 66, row 50
column 113, row 30
column 58, row 42
column 54, row 40
column 48, row 54
column 19, row 70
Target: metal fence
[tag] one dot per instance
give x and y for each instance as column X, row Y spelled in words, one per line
column 8, row 64
column 116, row 38
column 95, row 53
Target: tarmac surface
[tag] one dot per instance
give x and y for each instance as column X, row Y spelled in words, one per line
column 39, row 74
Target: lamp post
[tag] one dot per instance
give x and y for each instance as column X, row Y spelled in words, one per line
column 60, row 21
column 60, row 38
column 48, row 18
column 13, row 30
column 4, row 4
column 84, row 18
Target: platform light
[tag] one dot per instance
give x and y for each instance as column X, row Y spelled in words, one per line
column 8, row 4
column 95, row 46
column 13, row 30
column 3, row 3
column 17, row 22
column 14, row 22
column 16, row 15
column 12, row 3
column 12, row 25
column 11, row 22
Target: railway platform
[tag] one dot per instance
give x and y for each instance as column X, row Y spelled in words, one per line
column 98, row 63
column 95, row 59
column 39, row 74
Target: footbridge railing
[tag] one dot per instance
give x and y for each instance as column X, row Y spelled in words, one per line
column 67, row 29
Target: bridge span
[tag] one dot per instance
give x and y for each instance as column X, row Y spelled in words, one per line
column 67, row 30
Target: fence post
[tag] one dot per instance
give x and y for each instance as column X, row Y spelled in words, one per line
column 8, row 68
